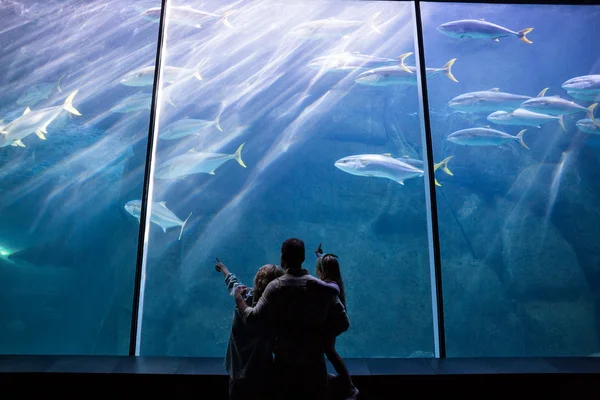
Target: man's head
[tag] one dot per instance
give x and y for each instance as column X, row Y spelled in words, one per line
column 292, row 253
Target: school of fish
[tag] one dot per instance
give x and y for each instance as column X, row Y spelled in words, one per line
column 505, row 109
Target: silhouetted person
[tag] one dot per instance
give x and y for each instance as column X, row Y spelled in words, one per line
column 328, row 270
column 249, row 358
column 303, row 312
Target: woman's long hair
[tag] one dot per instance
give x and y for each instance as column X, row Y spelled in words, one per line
column 328, row 268
column 263, row 277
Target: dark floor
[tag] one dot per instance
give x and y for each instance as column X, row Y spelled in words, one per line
column 75, row 376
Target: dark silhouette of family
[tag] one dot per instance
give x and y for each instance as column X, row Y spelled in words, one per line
column 284, row 326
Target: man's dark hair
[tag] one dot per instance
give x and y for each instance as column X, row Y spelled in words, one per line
column 292, row 252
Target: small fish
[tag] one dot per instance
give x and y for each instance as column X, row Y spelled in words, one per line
column 36, row 93
column 480, row 29
column 588, row 84
column 331, row 28
column 161, row 215
column 187, row 16
column 484, row 137
column 587, row 125
column 489, row 101
column 401, row 74
column 133, row 103
column 378, row 166
column 194, row 162
column 351, row 61
column 524, row 117
column 187, row 126
column 145, row 76
column 419, row 164
column 34, row 122
column 555, row 105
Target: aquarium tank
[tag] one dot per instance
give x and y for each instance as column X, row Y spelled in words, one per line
column 302, row 119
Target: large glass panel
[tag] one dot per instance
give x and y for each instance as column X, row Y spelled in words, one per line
column 262, row 103
column 73, row 144
column 519, row 221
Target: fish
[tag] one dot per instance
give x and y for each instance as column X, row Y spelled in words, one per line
column 161, row 215
column 36, row 93
column 331, row 28
column 194, row 162
column 34, row 122
column 484, row 137
column 595, row 97
column 555, row 105
column 589, row 84
column 489, row 101
column 524, row 117
column 351, row 61
column 145, row 76
column 187, row 16
column 419, row 164
column 378, row 166
column 587, row 125
column 133, row 103
column 480, row 29
column 401, row 74
column 187, row 126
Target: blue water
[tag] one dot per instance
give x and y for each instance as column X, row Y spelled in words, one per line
column 517, row 227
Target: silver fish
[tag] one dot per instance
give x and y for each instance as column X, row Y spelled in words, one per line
column 331, row 28
column 589, row 84
column 378, row 166
column 489, row 101
column 555, row 105
column 523, row 117
column 188, row 16
column 480, row 29
column 133, row 103
column 161, row 215
column 351, row 61
column 188, row 126
column 484, row 137
column 587, row 125
column 400, row 75
column 145, row 76
column 34, row 122
column 194, row 162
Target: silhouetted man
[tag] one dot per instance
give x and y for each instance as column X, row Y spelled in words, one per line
column 302, row 311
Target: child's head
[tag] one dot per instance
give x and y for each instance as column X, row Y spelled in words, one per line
column 328, row 268
column 265, row 274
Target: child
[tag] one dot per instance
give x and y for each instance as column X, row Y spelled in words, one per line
column 328, row 270
column 249, row 358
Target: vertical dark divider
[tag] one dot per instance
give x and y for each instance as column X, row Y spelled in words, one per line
column 146, row 192
column 430, row 196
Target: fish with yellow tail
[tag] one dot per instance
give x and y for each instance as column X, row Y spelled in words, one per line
column 484, row 137
column 401, row 74
column 34, row 122
column 195, row 162
column 419, row 164
column 161, row 215
column 480, row 29
column 555, row 105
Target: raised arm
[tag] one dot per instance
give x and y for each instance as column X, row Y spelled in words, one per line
column 232, row 281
